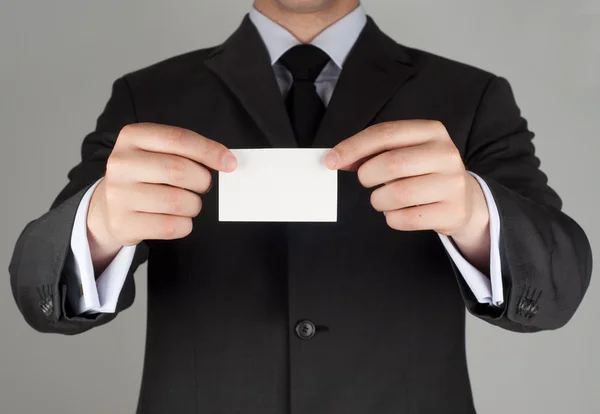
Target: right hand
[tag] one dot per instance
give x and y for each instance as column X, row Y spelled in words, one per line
column 151, row 188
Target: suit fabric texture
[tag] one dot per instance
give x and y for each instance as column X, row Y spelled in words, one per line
column 387, row 307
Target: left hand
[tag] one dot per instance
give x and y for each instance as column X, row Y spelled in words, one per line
column 425, row 184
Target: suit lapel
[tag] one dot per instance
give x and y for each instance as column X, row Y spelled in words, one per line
column 374, row 70
column 243, row 64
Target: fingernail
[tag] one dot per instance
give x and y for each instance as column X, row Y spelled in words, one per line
column 228, row 162
column 331, row 159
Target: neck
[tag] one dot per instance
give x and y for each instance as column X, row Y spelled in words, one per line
column 306, row 25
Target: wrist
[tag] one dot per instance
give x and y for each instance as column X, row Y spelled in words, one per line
column 473, row 239
column 475, row 230
column 103, row 246
column 479, row 219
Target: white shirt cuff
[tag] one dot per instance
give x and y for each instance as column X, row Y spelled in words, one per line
column 101, row 295
column 486, row 290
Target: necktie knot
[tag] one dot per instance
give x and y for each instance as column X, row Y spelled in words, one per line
column 305, row 62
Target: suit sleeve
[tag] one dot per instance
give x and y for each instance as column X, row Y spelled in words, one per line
column 545, row 256
column 39, row 272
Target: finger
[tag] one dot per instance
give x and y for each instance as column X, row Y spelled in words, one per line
column 164, row 199
column 430, row 157
column 408, row 192
column 182, row 142
column 382, row 137
column 425, row 217
column 155, row 168
column 149, row 226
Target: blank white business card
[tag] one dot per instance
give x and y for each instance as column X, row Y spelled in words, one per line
column 279, row 184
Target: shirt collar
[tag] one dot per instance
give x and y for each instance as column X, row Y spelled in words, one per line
column 336, row 40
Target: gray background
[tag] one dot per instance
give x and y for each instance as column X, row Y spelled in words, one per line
column 57, row 62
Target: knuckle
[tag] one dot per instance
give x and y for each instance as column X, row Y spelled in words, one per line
column 113, row 199
column 175, row 137
column 453, row 155
column 386, row 129
column 407, row 219
column 411, row 220
column 395, row 160
column 197, row 207
column 460, row 183
column 127, row 131
column 374, row 200
column 173, row 227
column 438, row 126
column 447, row 152
column 362, row 173
column 401, row 196
column 168, row 228
column 176, row 169
column 186, row 227
column 113, row 163
column 110, row 195
column 394, row 220
column 174, row 200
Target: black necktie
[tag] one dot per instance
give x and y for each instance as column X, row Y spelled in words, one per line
column 304, row 106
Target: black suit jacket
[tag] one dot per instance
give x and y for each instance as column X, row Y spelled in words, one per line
column 388, row 306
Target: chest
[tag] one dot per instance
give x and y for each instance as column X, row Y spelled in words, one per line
column 210, row 108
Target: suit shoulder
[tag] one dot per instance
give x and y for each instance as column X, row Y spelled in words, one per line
column 446, row 68
column 171, row 68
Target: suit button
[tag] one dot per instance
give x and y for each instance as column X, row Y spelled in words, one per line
column 527, row 308
column 46, row 302
column 305, row 329
column 47, row 306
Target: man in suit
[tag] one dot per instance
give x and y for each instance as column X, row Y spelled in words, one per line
column 442, row 207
